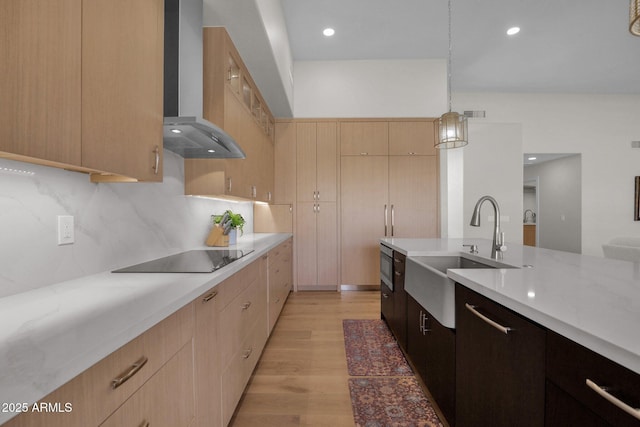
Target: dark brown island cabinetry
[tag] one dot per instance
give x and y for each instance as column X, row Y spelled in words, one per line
column 585, row 389
column 431, row 350
column 393, row 298
column 386, row 302
column 398, row 322
column 500, row 365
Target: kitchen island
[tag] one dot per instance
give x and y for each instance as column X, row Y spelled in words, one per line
column 592, row 301
column 51, row 334
column 589, row 310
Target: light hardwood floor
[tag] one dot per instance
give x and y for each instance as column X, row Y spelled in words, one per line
column 301, row 379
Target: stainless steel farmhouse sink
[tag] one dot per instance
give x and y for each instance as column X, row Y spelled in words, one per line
column 427, row 282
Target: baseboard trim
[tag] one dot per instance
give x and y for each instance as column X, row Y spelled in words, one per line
column 359, row 287
column 332, row 288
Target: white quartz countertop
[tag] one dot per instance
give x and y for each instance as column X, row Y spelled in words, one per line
column 592, row 301
column 51, row 334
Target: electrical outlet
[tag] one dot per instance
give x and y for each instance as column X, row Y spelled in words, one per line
column 65, row 230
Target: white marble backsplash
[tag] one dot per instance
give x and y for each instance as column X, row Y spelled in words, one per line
column 115, row 224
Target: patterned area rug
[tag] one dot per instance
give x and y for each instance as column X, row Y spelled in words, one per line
column 372, row 350
column 390, row 402
column 384, row 393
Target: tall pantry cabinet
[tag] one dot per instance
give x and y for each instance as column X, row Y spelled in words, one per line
column 316, row 205
column 389, row 188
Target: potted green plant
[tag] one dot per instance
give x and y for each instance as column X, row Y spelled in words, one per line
column 235, row 220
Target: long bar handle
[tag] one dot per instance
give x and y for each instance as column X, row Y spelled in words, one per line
column 472, row 309
column 156, row 165
column 423, row 323
column 393, row 219
column 385, row 220
column 614, row 400
column 126, row 375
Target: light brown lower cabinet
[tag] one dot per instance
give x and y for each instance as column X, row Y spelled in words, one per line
column 166, row 400
column 280, row 279
column 190, row 369
column 101, row 390
column 233, row 321
column 317, row 246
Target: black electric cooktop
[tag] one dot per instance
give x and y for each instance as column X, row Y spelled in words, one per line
column 195, row 261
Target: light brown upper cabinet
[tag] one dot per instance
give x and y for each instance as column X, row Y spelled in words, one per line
column 232, row 101
column 412, row 138
column 82, row 86
column 316, row 154
column 364, row 138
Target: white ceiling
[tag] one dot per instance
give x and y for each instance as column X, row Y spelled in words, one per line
column 574, row 46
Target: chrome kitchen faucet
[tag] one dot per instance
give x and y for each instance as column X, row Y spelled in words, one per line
column 498, row 236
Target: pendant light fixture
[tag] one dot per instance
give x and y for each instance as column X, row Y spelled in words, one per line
column 453, row 126
column 634, row 17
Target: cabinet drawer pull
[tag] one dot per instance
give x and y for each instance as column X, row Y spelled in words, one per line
column 209, row 297
column 397, row 273
column 145, row 423
column 126, row 375
column 385, row 295
column 614, row 400
column 247, row 353
column 246, row 305
column 472, row 308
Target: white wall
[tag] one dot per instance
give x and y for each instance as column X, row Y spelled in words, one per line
column 559, row 219
column 600, row 127
column 370, row 88
column 276, row 29
column 493, row 167
column 115, row 224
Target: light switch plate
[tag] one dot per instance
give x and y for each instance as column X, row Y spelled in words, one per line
column 66, row 235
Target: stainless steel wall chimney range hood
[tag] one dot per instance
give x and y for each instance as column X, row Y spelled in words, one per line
column 185, row 131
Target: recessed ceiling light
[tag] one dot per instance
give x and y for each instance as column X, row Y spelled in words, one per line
column 176, row 131
column 328, row 32
column 513, row 31
column 531, row 158
column 211, row 151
